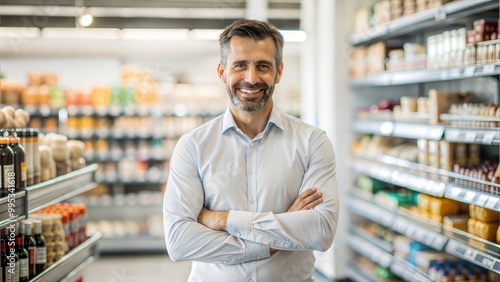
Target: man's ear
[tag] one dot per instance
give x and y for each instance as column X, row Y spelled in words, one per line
column 220, row 72
column 279, row 73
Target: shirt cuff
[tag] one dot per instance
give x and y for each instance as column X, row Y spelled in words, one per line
column 239, row 223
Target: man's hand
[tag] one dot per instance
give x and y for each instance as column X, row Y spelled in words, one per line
column 308, row 200
column 215, row 220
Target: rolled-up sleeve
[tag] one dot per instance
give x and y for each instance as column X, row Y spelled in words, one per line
column 185, row 238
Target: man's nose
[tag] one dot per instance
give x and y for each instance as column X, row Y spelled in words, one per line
column 251, row 76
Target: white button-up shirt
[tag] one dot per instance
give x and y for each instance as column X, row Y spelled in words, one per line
column 218, row 167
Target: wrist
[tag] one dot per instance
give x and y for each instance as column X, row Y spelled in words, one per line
column 223, row 220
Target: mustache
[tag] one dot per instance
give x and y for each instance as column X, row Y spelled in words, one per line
column 247, row 85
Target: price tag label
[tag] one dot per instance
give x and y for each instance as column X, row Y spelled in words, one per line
column 470, row 254
column 470, row 137
column 488, row 68
column 470, row 70
column 489, row 137
column 491, row 203
column 440, row 14
column 453, row 135
column 455, row 72
column 469, row 196
column 481, row 200
column 436, row 133
column 496, row 267
column 454, row 192
column 484, row 261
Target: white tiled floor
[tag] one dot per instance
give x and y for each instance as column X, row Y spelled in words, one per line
column 143, row 268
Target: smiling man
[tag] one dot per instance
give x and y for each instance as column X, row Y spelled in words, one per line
column 252, row 192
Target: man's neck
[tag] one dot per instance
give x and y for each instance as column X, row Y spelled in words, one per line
column 252, row 123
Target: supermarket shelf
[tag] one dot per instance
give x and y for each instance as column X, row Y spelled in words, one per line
column 410, row 175
column 379, row 127
column 357, row 274
column 371, row 211
column 62, row 269
column 16, row 210
column 132, row 244
column 119, row 111
column 60, row 188
column 419, row 233
column 471, row 254
column 470, row 196
column 479, row 251
column 413, row 181
column 77, row 273
column 379, row 243
column 408, row 272
column 116, row 158
column 138, row 211
column 370, row 251
column 423, row 20
column 485, row 136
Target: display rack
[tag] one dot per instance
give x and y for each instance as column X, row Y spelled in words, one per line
column 426, row 233
column 46, row 193
column 393, row 78
column 431, row 18
column 144, row 241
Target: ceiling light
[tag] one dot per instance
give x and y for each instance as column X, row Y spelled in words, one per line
column 294, row 35
column 85, row 19
column 154, row 34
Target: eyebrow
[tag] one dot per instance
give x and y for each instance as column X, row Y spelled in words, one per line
column 258, row 62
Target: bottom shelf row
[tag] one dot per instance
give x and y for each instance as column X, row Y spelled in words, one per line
column 386, row 256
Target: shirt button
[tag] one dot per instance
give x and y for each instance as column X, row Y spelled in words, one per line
column 259, row 257
column 251, row 144
column 238, row 234
column 264, row 240
column 250, row 280
column 250, row 172
column 252, row 201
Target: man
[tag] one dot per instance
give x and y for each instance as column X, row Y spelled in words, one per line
column 239, row 201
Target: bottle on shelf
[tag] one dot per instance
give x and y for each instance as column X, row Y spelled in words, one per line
column 22, row 253
column 7, row 172
column 19, row 161
column 12, row 270
column 30, row 245
column 41, row 250
column 4, row 260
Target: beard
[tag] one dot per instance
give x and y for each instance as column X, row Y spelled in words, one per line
column 250, row 104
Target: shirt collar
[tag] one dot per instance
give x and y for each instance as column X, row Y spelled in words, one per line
column 275, row 118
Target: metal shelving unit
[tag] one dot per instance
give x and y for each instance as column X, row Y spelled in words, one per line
column 43, row 194
column 71, row 264
column 60, row 188
column 454, row 242
column 423, row 20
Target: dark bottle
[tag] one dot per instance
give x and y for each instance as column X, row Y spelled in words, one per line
column 12, row 271
column 7, row 174
column 19, row 162
column 22, row 253
column 23, row 134
column 30, row 245
column 37, row 170
column 41, row 250
column 3, row 257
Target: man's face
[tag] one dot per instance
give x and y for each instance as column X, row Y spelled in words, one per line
column 250, row 73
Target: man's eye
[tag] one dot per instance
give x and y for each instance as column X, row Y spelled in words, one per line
column 263, row 67
column 239, row 67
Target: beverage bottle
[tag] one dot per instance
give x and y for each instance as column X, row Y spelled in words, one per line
column 22, row 253
column 12, row 270
column 41, row 249
column 19, row 162
column 7, row 174
column 30, row 245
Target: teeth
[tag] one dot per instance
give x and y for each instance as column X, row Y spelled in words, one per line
column 248, row 91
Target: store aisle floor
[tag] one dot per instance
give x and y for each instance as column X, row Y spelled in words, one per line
column 143, row 268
